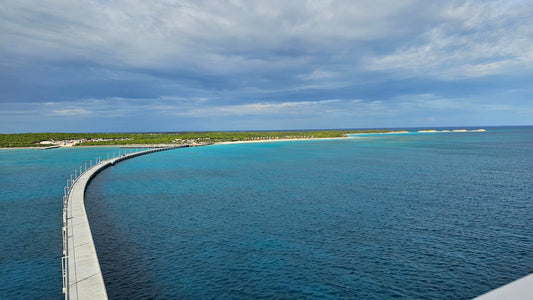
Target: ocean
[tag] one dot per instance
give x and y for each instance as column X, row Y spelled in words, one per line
column 31, row 185
column 417, row 215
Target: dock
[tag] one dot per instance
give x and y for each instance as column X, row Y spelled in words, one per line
column 82, row 277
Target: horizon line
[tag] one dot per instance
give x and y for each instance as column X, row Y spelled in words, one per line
column 276, row 130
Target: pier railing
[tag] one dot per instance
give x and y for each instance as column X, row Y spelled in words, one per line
column 68, row 272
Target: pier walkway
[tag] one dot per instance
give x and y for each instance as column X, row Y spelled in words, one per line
column 82, row 277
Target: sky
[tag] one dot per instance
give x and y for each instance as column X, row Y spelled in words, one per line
column 137, row 66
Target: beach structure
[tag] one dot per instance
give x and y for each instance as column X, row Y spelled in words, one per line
column 82, row 277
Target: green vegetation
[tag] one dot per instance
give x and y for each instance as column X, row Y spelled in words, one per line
column 33, row 139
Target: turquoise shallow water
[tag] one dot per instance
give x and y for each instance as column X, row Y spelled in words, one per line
column 439, row 216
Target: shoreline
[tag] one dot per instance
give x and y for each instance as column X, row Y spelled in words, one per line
column 191, row 145
column 392, row 132
column 281, row 140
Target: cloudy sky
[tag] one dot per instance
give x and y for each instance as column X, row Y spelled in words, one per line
column 108, row 66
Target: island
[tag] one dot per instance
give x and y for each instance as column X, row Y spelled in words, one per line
column 165, row 139
column 54, row 140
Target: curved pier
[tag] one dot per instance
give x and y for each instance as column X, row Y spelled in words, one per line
column 82, row 277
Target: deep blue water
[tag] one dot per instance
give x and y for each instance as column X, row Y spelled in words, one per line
column 436, row 216
column 31, row 186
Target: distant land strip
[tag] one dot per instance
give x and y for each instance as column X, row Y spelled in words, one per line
column 176, row 138
column 54, row 140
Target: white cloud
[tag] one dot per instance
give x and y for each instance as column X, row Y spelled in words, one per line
column 318, row 75
column 476, row 39
column 445, row 40
column 100, row 108
column 70, row 112
column 263, row 108
column 203, row 34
